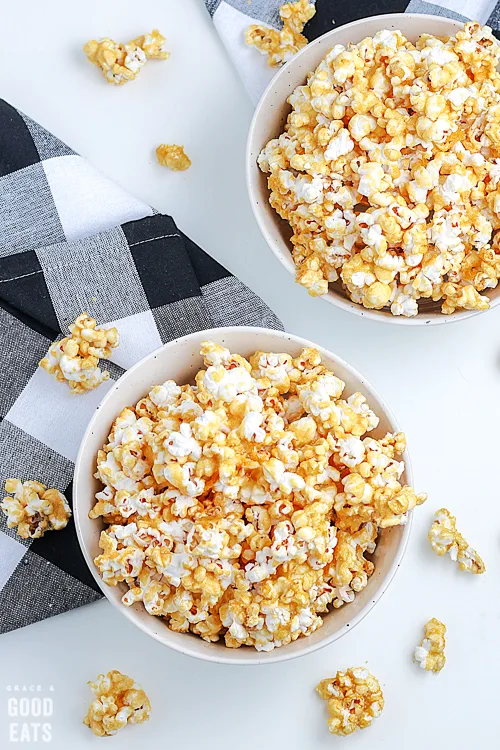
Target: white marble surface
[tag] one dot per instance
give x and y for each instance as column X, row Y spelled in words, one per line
column 443, row 384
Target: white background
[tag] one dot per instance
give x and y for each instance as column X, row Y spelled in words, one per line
column 443, row 383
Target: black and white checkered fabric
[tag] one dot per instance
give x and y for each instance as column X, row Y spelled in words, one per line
column 73, row 241
column 232, row 17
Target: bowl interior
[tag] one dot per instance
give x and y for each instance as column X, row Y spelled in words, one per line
column 269, row 121
column 180, row 360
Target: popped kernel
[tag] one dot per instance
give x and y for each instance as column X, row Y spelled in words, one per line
column 388, row 168
column 243, row 506
column 444, row 537
column 121, row 63
column 74, row 360
column 118, row 701
column 34, row 509
column 153, row 45
column 429, row 654
column 281, row 45
column 173, row 157
column 354, row 698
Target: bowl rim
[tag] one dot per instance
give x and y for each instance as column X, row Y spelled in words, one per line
column 251, row 168
column 278, row 654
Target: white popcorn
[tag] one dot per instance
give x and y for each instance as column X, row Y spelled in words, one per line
column 340, row 145
column 251, row 427
column 352, row 451
column 453, row 187
column 459, row 96
column 183, row 444
column 227, row 384
column 161, row 395
column 134, row 58
column 176, row 568
column 404, row 304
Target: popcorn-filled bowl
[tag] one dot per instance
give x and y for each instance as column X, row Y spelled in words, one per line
column 180, row 360
column 268, row 122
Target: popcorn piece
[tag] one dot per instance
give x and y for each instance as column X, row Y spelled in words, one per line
column 429, row 654
column 173, row 157
column 74, row 360
column 242, row 507
column 462, row 296
column 121, row 63
column 34, row 509
column 444, row 537
column 118, row 701
column 354, row 700
column 153, row 45
column 387, row 170
column 280, row 46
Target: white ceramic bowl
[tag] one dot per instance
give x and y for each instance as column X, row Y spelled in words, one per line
column 269, row 120
column 180, row 360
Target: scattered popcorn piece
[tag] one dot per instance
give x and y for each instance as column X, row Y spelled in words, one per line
column 34, row 509
column 245, row 505
column 281, row 45
column 354, row 699
column 118, row 701
column 121, row 63
column 430, row 653
column 153, row 45
column 173, row 157
column 444, row 537
column 388, row 171
column 75, row 359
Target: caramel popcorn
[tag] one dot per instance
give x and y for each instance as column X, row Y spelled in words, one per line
column 430, row 653
column 444, row 537
column 75, row 359
column 34, row 509
column 153, row 45
column 243, row 506
column 388, row 172
column 354, row 700
column 118, row 701
column 280, row 46
column 121, row 63
column 173, row 157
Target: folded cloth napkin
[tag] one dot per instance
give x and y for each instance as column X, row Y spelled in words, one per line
column 71, row 241
column 232, row 17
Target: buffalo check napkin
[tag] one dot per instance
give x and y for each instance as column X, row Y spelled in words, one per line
column 73, row 241
column 232, row 17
